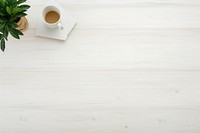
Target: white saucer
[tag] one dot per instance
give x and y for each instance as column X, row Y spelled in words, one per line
column 55, row 33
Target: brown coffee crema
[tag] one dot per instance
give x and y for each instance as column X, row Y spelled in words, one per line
column 52, row 17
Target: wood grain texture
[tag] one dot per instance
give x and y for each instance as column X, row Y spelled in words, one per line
column 128, row 66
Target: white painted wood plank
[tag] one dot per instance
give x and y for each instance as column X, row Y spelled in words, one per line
column 108, row 48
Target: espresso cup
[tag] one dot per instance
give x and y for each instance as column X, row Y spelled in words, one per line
column 51, row 16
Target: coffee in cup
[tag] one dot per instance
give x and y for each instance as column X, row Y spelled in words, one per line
column 52, row 17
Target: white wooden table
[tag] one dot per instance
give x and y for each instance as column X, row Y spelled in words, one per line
column 129, row 66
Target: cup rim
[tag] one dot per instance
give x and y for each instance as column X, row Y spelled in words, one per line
column 44, row 14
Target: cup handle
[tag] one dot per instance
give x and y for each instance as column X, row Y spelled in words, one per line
column 60, row 26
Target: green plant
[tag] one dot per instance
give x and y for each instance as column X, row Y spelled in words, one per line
column 10, row 13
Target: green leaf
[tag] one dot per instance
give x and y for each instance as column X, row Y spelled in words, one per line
column 19, row 15
column 13, row 3
column 1, row 14
column 14, row 33
column 2, row 3
column 12, row 29
column 5, row 2
column 12, row 25
column 3, row 10
column 24, row 7
column 2, row 45
column 15, row 10
column 2, row 26
column 8, row 10
column 1, row 36
column 18, row 32
column 5, row 32
column 20, row 1
column 2, row 20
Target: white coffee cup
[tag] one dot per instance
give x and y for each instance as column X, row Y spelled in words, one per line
column 51, row 16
